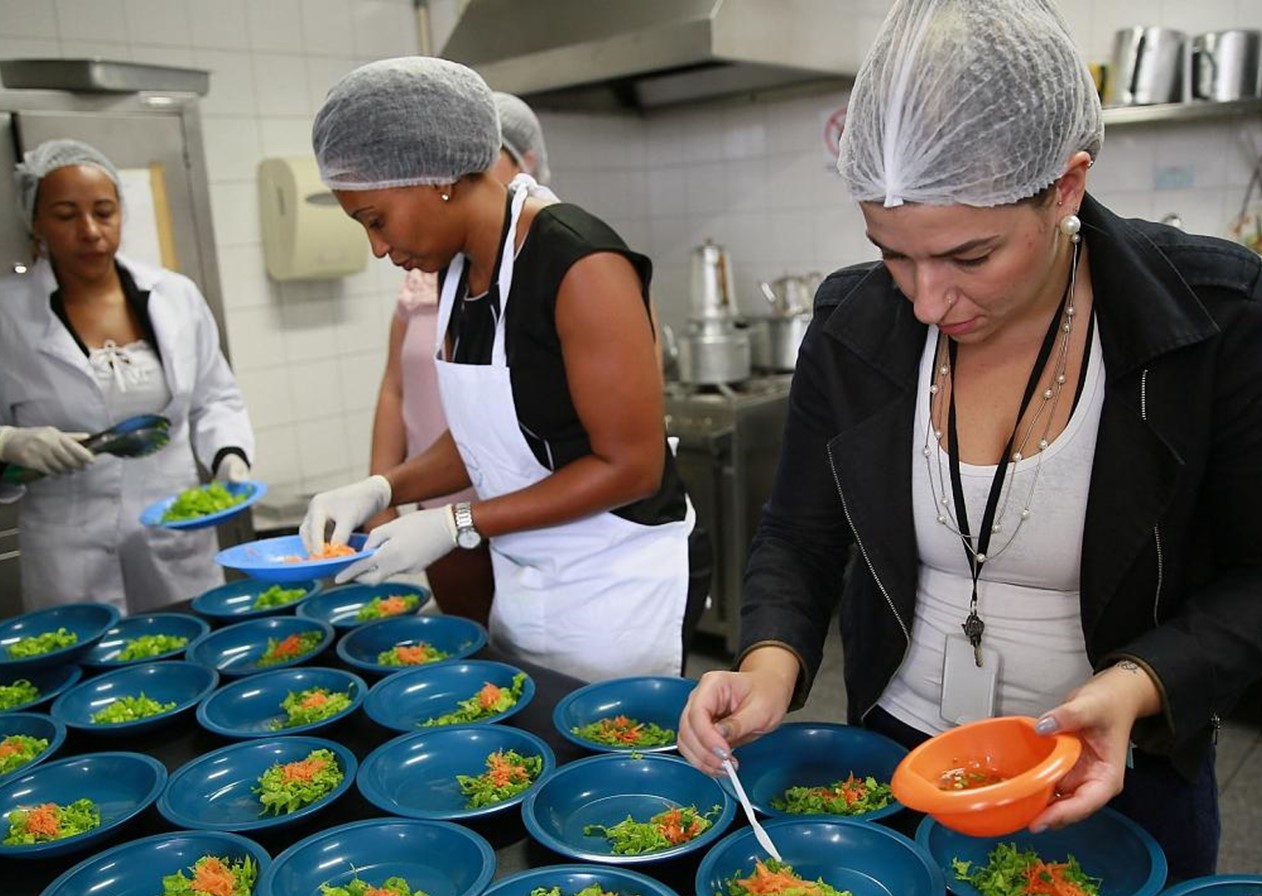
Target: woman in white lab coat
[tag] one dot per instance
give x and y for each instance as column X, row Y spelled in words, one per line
column 89, row 339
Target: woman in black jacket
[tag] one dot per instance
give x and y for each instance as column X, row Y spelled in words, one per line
column 1038, row 426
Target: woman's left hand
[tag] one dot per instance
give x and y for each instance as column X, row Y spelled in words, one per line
column 409, row 544
column 1102, row 713
column 232, row 468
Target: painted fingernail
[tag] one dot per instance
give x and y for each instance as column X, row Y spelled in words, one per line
column 1046, row 725
column 720, row 752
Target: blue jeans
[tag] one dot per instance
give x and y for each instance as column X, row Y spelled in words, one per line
column 1181, row 815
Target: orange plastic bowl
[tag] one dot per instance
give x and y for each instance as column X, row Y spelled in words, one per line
column 1029, row 763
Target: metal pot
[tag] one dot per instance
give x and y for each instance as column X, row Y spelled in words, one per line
column 1146, row 66
column 759, row 333
column 708, row 359
column 1225, row 65
column 783, row 338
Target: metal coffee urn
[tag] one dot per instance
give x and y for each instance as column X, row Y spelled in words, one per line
column 713, row 351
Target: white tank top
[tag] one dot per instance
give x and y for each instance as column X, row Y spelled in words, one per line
column 1028, row 590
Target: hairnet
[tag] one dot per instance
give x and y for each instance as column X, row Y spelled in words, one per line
column 971, row 102
column 403, row 122
column 47, row 157
column 521, row 133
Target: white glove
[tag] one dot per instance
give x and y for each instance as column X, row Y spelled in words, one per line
column 347, row 508
column 408, row 544
column 232, row 468
column 44, row 448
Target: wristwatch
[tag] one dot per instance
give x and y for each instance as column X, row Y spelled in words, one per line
column 467, row 537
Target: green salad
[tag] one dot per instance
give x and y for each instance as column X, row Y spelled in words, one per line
column 417, row 654
column 287, row 787
column 623, row 731
column 391, row 605
column 37, row 645
column 1010, row 871
column 778, row 878
column 589, row 890
column 147, row 646
column 17, row 750
column 44, row 823
column 490, row 700
column 393, row 886
column 130, row 709
column 19, row 693
column 664, row 830
column 213, row 876
column 276, row 596
column 311, row 705
column 283, row 650
column 853, row 796
column 507, row 774
column 195, row 503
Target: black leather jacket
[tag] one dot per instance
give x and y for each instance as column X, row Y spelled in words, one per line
column 1171, row 571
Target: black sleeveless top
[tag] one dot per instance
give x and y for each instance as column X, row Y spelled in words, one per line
column 560, row 235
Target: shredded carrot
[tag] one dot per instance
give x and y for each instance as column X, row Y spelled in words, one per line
column 43, row 821
column 489, row 694
column 379, row 891
column 328, row 551
column 764, row 880
column 1048, row 879
column 672, row 827
column 314, row 699
column 8, row 747
column 213, row 878
column 389, row 606
column 411, row 654
column 289, row 646
column 302, row 770
column 501, row 771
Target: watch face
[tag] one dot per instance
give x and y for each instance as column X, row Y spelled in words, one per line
column 468, row 538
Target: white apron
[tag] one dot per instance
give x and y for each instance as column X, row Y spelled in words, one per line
column 598, row 597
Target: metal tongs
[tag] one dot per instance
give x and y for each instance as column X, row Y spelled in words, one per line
column 760, row 833
column 137, row 436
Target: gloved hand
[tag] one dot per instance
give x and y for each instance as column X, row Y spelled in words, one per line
column 232, row 468
column 409, row 544
column 44, row 448
column 346, row 508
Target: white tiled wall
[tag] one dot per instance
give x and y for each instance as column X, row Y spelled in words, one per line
column 754, row 176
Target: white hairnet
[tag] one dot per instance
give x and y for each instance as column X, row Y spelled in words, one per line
column 970, row 102
column 47, row 157
column 521, row 133
column 403, row 122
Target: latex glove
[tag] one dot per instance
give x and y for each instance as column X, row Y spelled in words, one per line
column 232, row 468
column 346, row 508
column 409, row 544
column 44, row 448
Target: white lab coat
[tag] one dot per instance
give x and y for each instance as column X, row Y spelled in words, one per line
column 80, row 535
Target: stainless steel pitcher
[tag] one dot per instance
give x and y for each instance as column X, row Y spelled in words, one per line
column 1147, row 66
column 1225, row 65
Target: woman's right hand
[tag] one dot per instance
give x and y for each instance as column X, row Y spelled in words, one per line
column 727, row 709
column 45, row 449
column 346, row 508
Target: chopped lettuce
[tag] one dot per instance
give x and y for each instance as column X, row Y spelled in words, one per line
column 622, row 731
column 19, row 693
column 38, row 645
column 1010, row 871
column 17, row 750
column 311, row 705
column 276, row 596
column 130, row 709
column 417, row 654
column 393, row 886
column 662, row 831
column 284, row 650
column 195, row 503
column 507, row 774
column 287, row 787
column 852, row 796
column 391, row 605
column 589, row 890
column 490, row 700
column 213, row 876
column 772, row 877
column 147, row 646
column 29, row 825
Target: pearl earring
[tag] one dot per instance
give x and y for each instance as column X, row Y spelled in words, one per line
column 446, row 197
column 1069, row 226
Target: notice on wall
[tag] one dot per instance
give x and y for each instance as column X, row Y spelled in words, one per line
column 147, row 233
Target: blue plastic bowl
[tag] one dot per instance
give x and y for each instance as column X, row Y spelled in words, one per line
column 415, row 775
column 172, row 681
column 234, row 602
column 572, row 878
column 866, row 859
column 252, row 490
column 436, row 857
column 1107, row 844
column 121, row 784
column 1218, row 885
column 339, row 606
column 605, row 789
column 214, row 792
column 236, row 649
column 265, row 559
column 136, row 868
column 179, row 625
column 49, row 682
column 453, row 635
column 404, row 702
column 814, row 754
column 90, row 621
column 250, row 707
column 31, row 724
column 656, row 699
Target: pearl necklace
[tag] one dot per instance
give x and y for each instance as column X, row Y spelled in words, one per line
column 1044, row 410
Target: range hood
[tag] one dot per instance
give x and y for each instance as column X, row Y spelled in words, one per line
column 641, row 54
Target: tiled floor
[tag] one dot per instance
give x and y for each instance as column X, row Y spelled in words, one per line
column 1239, row 756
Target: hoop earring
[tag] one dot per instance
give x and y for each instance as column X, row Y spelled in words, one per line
column 1070, row 225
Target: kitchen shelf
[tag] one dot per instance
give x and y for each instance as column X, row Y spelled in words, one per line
column 1200, row 109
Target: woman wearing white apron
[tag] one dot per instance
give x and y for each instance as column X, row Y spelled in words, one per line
column 548, row 375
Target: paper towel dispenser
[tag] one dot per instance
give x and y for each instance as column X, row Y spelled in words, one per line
column 306, row 235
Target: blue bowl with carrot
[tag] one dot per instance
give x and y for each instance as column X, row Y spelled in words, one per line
column 575, row 878
column 409, row 642
column 27, row 739
column 637, row 713
column 470, row 692
column 350, row 606
column 281, row 702
column 247, row 648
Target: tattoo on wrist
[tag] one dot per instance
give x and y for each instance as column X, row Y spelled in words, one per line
column 1128, row 666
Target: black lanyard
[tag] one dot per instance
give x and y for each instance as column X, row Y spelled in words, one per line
column 973, row 625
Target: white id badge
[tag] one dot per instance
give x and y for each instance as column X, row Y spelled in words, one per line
column 968, row 691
